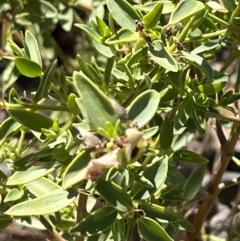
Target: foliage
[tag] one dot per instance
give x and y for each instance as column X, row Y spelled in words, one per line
column 104, row 140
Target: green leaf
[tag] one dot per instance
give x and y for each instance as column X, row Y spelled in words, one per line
column 185, row 9
column 5, row 221
column 13, row 195
column 144, row 107
column 46, row 204
column 28, row 67
column 114, row 195
column 32, row 44
column 99, row 109
column 124, row 35
column 42, row 186
column 8, row 127
column 184, row 112
column 209, row 89
column 194, row 182
column 32, row 120
column 95, row 223
column 91, row 33
column 151, row 230
column 123, row 13
column 200, row 63
column 151, row 19
column 76, row 170
column 199, row 120
column 22, row 177
column 72, row 105
column 159, row 213
column 168, row 7
column 46, row 81
column 156, row 173
column 166, row 134
column 16, row 49
column 108, row 71
column 161, row 56
column 189, row 156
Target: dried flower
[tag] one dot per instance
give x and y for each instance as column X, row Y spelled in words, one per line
column 89, row 139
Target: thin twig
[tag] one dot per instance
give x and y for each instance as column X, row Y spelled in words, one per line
column 213, row 188
column 54, row 233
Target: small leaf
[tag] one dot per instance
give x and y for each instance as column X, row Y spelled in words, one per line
column 194, row 182
column 151, row 230
column 184, row 112
column 46, row 81
column 159, row 213
column 144, row 107
column 72, row 105
column 96, row 222
column 28, row 67
column 99, row 109
column 209, row 89
column 76, row 171
column 32, row 44
column 46, row 204
column 189, row 156
column 92, row 34
column 32, row 120
column 156, row 173
column 166, row 134
column 13, row 195
column 114, row 195
column 124, row 35
column 185, row 9
column 123, row 13
column 151, row 19
column 199, row 63
column 161, row 56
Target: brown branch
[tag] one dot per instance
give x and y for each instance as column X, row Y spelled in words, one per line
column 54, row 233
column 82, row 200
column 213, row 188
column 221, row 137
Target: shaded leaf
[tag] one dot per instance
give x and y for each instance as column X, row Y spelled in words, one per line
column 189, row 156
column 144, row 107
column 95, row 223
column 32, row 120
column 114, row 195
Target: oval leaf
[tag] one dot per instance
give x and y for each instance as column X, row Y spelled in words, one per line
column 91, row 33
column 209, row 89
column 28, row 67
column 185, row 9
column 114, row 195
column 151, row 230
column 144, row 107
column 161, row 56
column 46, row 204
column 95, row 223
